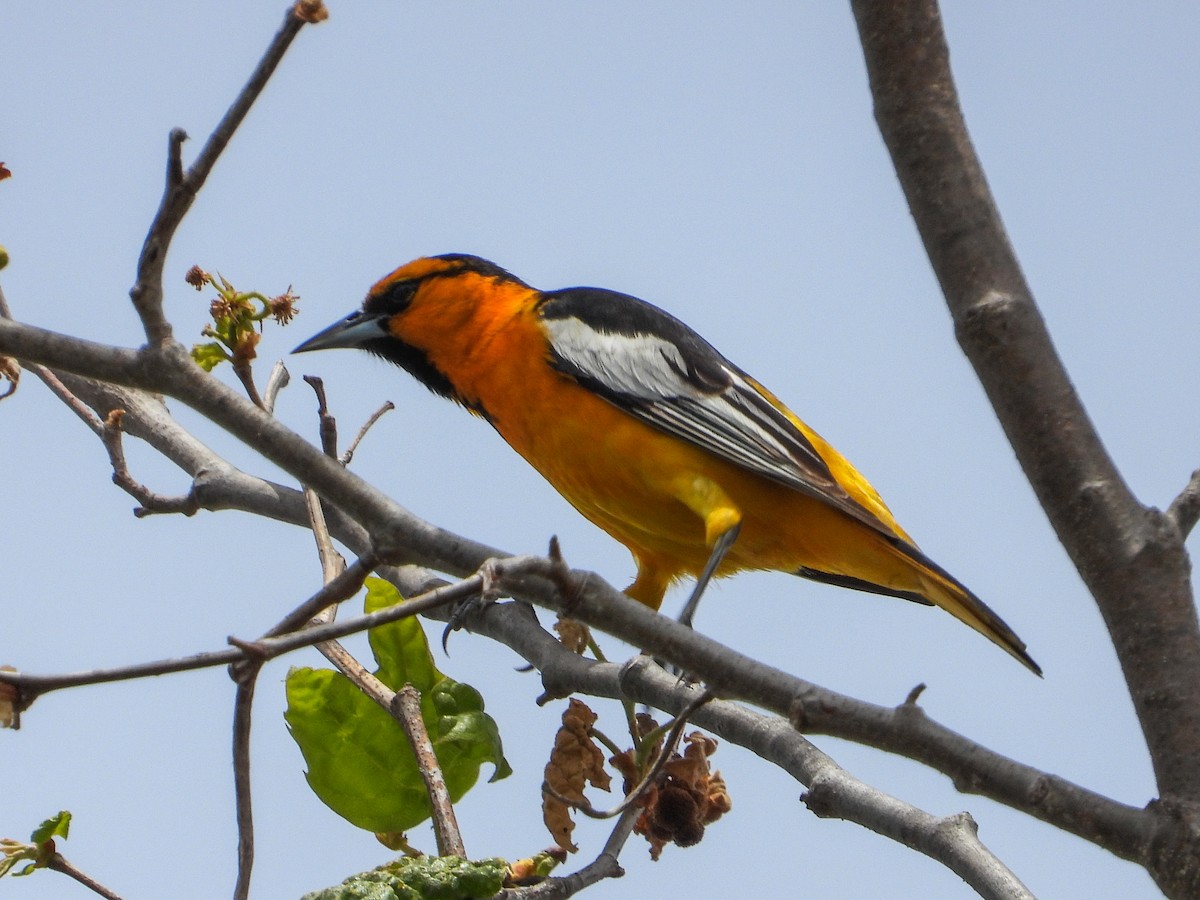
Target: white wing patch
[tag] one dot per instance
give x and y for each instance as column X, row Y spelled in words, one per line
column 638, row 365
column 650, row 375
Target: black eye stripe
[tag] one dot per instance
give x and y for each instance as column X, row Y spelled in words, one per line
column 394, row 299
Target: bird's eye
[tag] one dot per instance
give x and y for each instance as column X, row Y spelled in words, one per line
column 392, row 298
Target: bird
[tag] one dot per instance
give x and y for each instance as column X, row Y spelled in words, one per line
column 650, row 433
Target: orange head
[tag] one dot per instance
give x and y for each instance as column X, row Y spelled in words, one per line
column 415, row 311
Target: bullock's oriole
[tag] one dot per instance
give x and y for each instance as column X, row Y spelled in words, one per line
column 650, row 433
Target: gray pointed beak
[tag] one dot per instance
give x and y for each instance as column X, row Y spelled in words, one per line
column 353, row 331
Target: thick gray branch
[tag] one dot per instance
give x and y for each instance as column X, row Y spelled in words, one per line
column 1131, row 557
column 1121, row 829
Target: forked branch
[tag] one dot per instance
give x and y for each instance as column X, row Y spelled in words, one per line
column 182, row 184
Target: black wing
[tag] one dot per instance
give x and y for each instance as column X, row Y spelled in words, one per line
column 657, row 369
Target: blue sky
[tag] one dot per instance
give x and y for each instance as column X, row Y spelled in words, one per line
column 719, row 161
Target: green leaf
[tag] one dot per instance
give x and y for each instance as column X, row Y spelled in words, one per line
column 14, row 852
column 359, row 760
column 38, row 851
column 467, row 737
column 209, row 356
column 55, row 826
column 399, row 647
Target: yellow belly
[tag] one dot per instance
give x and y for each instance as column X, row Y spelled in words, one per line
column 629, row 479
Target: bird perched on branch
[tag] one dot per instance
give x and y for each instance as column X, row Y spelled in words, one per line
column 650, row 433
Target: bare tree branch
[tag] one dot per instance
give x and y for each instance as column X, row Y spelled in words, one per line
column 604, row 866
column 151, row 502
column 31, row 685
column 327, row 424
column 1121, row 829
column 362, row 432
column 832, row 790
column 406, row 709
column 908, row 731
column 399, row 535
column 1131, row 557
column 60, row 863
column 276, row 382
column 182, row 186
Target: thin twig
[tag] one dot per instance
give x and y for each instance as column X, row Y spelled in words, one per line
column 327, row 424
column 362, row 432
column 242, row 716
column 73, row 403
column 333, row 564
column 182, row 186
column 418, row 605
column 245, row 374
column 1184, row 510
column 605, row 865
column 619, row 835
column 342, row 587
column 32, row 686
column 150, row 501
column 276, row 382
column 915, row 694
column 59, row 863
